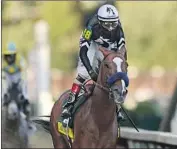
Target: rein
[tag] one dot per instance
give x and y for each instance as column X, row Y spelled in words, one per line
column 113, row 78
column 101, row 87
column 98, row 85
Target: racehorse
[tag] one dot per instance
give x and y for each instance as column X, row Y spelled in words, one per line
column 95, row 123
column 14, row 124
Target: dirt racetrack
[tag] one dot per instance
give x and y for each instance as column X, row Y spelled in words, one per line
column 41, row 139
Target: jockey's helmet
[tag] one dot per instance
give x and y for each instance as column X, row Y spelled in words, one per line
column 10, row 53
column 108, row 17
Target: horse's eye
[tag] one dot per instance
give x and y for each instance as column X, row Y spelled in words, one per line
column 106, row 65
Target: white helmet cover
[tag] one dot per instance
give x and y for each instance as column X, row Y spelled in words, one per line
column 108, row 13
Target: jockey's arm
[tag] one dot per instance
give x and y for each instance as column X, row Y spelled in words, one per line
column 121, row 43
column 23, row 67
column 83, row 54
column 85, row 42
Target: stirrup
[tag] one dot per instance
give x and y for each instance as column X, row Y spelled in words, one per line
column 65, row 122
column 67, row 111
column 70, row 100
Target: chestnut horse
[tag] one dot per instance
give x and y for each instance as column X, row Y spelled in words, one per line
column 95, row 124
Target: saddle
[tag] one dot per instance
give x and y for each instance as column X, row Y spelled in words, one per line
column 84, row 94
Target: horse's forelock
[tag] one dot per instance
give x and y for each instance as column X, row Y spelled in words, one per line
column 112, row 55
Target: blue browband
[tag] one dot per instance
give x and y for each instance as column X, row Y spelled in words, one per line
column 118, row 76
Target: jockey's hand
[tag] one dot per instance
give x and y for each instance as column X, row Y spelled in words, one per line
column 93, row 75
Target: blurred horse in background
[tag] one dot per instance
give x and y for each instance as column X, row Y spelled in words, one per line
column 95, row 123
column 14, row 124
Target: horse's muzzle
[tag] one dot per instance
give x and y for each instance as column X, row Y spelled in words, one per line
column 118, row 94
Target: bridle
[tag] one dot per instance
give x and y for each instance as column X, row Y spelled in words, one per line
column 105, row 88
column 101, row 87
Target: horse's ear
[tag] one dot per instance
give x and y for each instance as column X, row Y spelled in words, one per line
column 104, row 51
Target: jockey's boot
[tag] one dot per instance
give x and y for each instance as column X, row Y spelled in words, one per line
column 120, row 117
column 66, row 113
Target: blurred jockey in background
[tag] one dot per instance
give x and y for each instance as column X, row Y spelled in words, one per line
column 14, row 71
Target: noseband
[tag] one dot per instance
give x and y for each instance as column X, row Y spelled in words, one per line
column 111, row 80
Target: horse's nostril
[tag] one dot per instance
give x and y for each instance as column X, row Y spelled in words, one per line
column 14, row 114
column 124, row 93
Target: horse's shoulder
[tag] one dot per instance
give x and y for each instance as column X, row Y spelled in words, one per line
column 62, row 97
column 65, row 93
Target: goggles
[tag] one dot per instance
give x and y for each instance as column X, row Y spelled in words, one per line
column 10, row 59
column 109, row 25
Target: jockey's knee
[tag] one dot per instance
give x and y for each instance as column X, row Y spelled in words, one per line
column 80, row 79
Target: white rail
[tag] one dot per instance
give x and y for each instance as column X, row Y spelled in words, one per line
column 147, row 139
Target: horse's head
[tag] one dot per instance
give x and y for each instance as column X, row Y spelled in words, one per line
column 13, row 101
column 113, row 74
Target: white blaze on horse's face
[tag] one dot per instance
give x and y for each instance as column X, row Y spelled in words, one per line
column 118, row 61
column 12, row 110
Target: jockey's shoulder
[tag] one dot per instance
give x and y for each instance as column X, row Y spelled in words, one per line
column 21, row 61
column 89, row 29
column 92, row 21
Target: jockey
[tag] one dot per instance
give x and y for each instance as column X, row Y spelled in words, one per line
column 13, row 70
column 103, row 29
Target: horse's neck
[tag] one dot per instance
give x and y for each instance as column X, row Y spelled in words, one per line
column 102, row 107
column 100, row 93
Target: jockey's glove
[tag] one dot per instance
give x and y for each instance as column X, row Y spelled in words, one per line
column 93, row 75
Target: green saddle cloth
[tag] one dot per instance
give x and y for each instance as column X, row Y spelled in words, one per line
column 80, row 100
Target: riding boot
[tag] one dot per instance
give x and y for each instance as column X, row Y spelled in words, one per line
column 67, row 108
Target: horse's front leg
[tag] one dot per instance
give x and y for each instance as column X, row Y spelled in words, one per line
column 59, row 141
column 23, row 134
